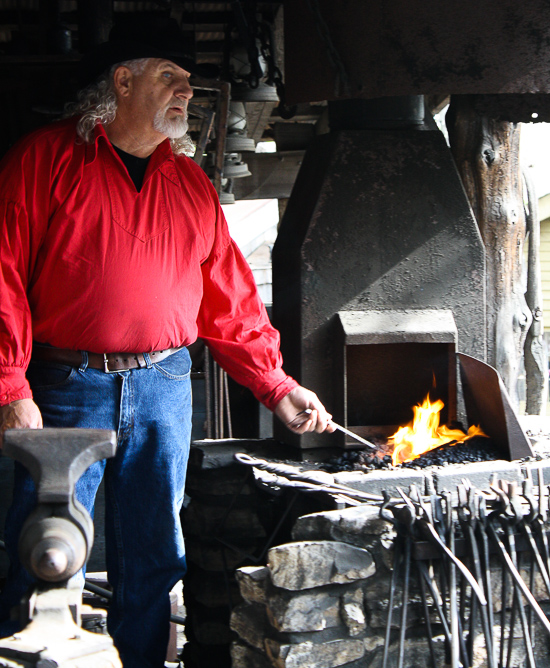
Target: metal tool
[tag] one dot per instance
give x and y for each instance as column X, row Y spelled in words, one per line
column 54, row 544
column 468, row 515
column 308, row 411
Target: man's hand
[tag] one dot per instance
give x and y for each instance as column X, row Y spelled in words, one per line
column 297, row 400
column 20, row 414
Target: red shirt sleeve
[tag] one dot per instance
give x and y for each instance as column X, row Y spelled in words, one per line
column 234, row 323
column 17, row 256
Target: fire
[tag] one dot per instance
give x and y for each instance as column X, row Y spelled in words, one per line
column 424, row 433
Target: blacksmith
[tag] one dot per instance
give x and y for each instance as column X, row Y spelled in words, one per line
column 114, row 256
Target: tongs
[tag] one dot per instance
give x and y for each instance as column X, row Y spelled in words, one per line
column 308, row 411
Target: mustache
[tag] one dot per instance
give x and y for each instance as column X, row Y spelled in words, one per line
column 176, row 102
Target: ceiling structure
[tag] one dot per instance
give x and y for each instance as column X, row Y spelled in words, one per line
column 41, row 42
column 492, row 48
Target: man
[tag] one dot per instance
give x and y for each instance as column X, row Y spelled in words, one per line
column 115, row 255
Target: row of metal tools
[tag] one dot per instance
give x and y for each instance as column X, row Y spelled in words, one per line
column 451, row 541
column 460, row 552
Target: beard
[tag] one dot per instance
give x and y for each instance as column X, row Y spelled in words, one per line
column 173, row 128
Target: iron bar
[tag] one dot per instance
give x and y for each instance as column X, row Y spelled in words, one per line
column 393, row 583
column 108, row 595
column 516, row 577
column 227, row 405
column 406, row 579
column 429, row 632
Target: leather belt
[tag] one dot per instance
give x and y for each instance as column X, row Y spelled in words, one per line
column 107, row 362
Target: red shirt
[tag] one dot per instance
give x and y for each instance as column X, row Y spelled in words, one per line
column 89, row 263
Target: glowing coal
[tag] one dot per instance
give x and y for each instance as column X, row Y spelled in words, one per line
column 425, row 433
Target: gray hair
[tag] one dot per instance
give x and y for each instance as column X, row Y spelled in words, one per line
column 97, row 103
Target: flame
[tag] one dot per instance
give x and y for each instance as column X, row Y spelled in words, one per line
column 424, row 433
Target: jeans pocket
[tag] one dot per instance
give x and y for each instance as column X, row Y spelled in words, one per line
column 44, row 375
column 176, row 366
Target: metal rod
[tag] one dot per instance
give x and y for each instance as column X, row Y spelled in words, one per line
column 488, row 587
column 294, row 473
column 530, row 609
column 516, row 577
column 523, row 618
column 487, row 630
column 406, row 581
column 208, row 392
column 512, row 629
column 355, row 436
column 105, row 593
column 220, row 403
column 437, row 598
column 227, row 405
column 465, row 572
column 536, row 555
column 504, row 598
column 393, row 583
column 455, row 650
column 296, row 423
column 429, row 632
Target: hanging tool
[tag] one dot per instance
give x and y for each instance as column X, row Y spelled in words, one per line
column 468, row 516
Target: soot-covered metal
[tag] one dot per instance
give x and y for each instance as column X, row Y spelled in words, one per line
column 377, row 221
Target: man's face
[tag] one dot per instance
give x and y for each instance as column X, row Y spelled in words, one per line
column 159, row 98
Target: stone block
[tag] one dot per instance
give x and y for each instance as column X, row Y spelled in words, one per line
column 375, row 482
column 543, row 465
column 249, row 622
column 253, row 583
column 305, row 611
column 356, row 525
column 353, row 612
column 313, row 655
column 308, row 564
column 479, row 474
column 416, row 654
column 243, row 656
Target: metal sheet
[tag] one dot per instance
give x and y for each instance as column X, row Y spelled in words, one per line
column 488, row 404
column 364, row 49
column 377, row 220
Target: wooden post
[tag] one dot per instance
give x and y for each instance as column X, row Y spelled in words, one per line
column 486, row 152
column 536, row 357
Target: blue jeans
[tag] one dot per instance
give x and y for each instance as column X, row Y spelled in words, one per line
column 150, row 410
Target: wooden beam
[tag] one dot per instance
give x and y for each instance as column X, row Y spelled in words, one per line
column 273, row 175
column 258, row 115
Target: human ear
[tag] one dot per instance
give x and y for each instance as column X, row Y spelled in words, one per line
column 122, row 80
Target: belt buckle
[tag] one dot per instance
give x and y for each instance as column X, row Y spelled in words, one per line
column 106, row 365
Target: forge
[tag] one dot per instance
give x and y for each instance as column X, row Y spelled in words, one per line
column 378, row 268
column 380, row 294
column 379, row 280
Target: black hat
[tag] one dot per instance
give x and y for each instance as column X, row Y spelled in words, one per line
column 142, row 35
